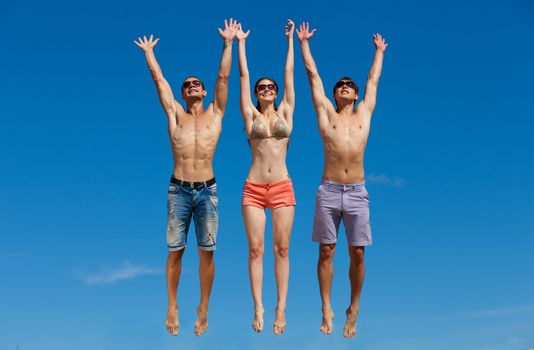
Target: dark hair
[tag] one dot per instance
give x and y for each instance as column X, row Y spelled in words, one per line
column 258, row 107
column 192, row 76
column 344, row 79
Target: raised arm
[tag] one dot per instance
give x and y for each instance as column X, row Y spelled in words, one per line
column 369, row 99
column 221, row 85
column 247, row 107
column 288, row 102
column 166, row 96
column 320, row 101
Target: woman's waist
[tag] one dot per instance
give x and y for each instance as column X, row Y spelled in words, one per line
column 267, row 173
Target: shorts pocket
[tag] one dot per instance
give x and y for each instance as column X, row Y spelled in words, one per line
column 173, row 188
column 212, row 190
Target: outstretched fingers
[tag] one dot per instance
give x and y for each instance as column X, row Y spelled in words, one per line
column 379, row 42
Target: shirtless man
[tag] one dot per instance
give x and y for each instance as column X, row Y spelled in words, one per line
column 342, row 194
column 194, row 133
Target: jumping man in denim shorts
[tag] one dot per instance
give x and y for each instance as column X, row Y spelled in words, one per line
column 192, row 192
column 342, row 194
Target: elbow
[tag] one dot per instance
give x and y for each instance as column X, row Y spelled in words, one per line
column 311, row 71
column 223, row 78
column 373, row 78
column 157, row 78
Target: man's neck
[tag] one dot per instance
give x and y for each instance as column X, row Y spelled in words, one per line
column 195, row 108
column 345, row 109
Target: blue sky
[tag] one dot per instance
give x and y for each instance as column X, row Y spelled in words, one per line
column 85, row 161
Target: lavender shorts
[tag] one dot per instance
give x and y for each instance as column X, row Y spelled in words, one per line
column 349, row 202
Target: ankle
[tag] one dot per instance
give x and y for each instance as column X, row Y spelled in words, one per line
column 353, row 310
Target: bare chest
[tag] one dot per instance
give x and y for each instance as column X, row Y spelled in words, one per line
column 353, row 131
column 195, row 131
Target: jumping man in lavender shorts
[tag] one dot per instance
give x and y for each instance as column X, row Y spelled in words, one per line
column 342, row 194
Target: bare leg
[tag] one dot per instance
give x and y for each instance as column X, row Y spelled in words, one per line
column 206, row 272
column 173, row 270
column 282, row 224
column 356, row 274
column 325, row 273
column 254, row 219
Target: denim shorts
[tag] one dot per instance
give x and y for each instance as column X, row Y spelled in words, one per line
column 199, row 203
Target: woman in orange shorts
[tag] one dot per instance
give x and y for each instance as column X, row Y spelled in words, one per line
column 268, row 184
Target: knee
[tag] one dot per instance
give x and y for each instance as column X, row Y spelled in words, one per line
column 357, row 255
column 326, row 253
column 281, row 250
column 255, row 251
column 206, row 257
column 175, row 256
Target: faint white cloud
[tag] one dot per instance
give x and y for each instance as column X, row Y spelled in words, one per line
column 513, row 340
column 126, row 271
column 385, row 180
column 503, row 311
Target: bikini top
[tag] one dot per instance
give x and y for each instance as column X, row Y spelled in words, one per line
column 259, row 130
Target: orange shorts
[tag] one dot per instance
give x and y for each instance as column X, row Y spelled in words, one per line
column 270, row 195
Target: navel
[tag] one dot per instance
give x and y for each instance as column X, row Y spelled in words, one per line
column 346, row 171
column 334, row 126
column 269, row 170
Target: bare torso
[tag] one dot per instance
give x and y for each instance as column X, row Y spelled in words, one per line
column 268, row 156
column 344, row 140
column 193, row 142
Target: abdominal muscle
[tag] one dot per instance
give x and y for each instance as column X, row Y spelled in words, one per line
column 344, row 163
column 268, row 160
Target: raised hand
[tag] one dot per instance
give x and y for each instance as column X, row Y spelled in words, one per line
column 230, row 29
column 380, row 43
column 304, row 33
column 241, row 35
column 289, row 28
column 146, row 45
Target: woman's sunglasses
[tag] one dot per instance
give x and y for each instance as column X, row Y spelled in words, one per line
column 262, row 87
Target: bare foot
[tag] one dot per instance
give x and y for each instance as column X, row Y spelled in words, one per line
column 280, row 321
column 257, row 324
column 171, row 323
column 326, row 325
column 349, row 330
column 202, row 321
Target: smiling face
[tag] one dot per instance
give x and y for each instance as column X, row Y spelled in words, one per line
column 345, row 89
column 192, row 87
column 266, row 90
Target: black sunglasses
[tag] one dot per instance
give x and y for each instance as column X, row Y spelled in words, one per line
column 262, row 87
column 349, row 83
column 187, row 84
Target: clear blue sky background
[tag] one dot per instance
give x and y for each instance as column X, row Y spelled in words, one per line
column 85, row 162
